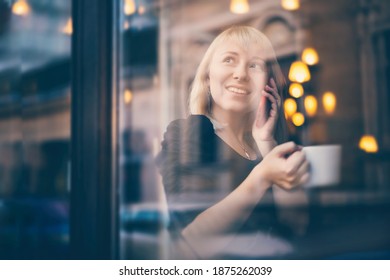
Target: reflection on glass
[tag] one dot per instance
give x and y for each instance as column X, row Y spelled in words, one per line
column 34, row 130
column 68, row 29
column 181, row 166
column 21, row 8
column 129, row 7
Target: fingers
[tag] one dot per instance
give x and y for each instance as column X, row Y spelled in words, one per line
column 303, row 168
column 296, row 178
column 303, row 179
column 286, row 149
column 270, row 93
column 274, row 90
column 295, row 167
column 273, row 83
column 270, row 97
column 302, row 175
column 289, row 167
column 260, row 113
column 295, row 160
column 274, row 97
column 274, row 103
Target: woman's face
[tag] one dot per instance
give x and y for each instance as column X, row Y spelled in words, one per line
column 237, row 76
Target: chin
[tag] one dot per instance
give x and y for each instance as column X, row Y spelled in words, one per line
column 239, row 109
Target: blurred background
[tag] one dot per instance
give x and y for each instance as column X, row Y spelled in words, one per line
column 334, row 54
column 35, row 96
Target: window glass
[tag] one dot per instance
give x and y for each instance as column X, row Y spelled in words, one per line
column 174, row 174
column 35, row 96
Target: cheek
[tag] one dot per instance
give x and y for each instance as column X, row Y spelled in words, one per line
column 213, row 85
column 216, row 79
column 216, row 73
column 263, row 79
column 212, row 78
column 255, row 101
column 259, row 82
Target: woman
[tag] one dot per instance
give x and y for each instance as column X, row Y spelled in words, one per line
column 230, row 139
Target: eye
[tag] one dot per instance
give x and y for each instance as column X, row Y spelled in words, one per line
column 228, row 59
column 257, row 66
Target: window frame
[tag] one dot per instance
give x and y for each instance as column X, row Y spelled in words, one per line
column 94, row 123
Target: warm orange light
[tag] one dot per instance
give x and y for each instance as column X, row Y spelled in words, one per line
column 290, row 107
column 21, row 8
column 368, row 144
column 329, row 102
column 299, row 72
column 290, row 5
column 129, row 7
column 68, row 29
column 310, row 56
column 128, row 96
column 298, row 119
column 239, row 6
column 295, row 90
column 311, row 105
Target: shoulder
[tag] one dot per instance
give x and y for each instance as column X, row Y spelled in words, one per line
column 199, row 124
column 186, row 144
column 192, row 139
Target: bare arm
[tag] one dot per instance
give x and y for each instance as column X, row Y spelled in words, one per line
column 228, row 215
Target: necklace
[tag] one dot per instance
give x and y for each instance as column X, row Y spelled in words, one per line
column 245, row 151
column 239, row 143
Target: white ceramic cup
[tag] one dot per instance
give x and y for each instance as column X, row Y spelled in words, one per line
column 325, row 163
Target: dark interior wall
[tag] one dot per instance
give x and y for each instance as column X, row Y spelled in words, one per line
column 334, row 33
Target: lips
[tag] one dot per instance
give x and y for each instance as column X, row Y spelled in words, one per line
column 238, row 90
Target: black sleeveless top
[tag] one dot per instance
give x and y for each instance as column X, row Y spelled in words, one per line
column 198, row 169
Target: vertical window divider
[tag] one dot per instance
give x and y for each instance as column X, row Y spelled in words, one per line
column 94, row 151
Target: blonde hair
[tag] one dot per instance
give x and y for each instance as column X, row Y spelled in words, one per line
column 199, row 102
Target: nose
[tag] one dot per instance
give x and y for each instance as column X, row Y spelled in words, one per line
column 240, row 72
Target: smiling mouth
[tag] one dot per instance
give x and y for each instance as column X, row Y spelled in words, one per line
column 238, row 90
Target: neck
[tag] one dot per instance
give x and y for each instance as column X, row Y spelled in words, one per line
column 234, row 123
column 234, row 131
